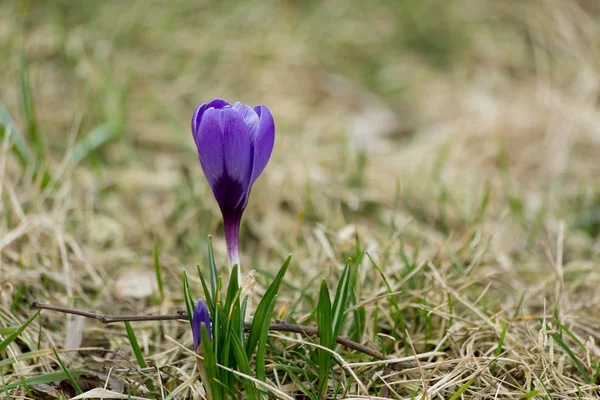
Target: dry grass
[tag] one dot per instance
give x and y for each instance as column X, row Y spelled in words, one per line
column 458, row 141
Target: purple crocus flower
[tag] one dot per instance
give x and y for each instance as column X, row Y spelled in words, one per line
column 201, row 316
column 234, row 145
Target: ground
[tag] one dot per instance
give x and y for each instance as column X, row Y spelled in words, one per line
column 449, row 149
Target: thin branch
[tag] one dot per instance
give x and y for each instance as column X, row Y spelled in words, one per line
column 280, row 326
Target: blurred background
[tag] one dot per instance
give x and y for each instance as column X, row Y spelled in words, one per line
column 432, row 120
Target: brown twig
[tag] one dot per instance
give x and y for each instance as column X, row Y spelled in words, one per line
column 280, row 326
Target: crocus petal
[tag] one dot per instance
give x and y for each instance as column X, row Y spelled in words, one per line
column 215, row 103
column 200, row 316
column 209, row 142
column 237, row 150
column 263, row 141
column 249, row 116
column 197, row 118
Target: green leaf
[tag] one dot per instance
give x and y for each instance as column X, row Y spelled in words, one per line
column 399, row 318
column 233, row 291
column 214, row 273
column 325, row 325
column 29, row 113
column 10, row 338
column 94, row 140
column 292, row 372
column 189, row 302
column 68, row 373
column 157, row 270
column 500, row 343
column 20, row 147
column 210, row 302
column 243, row 365
column 25, row 356
column 580, row 367
column 7, row 331
column 5, row 389
column 137, row 351
column 45, row 378
column 529, row 395
column 264, row 311
column 135, row 346
column 210, row 366
column 179, row 389
column 464, row 387
column 339, row 303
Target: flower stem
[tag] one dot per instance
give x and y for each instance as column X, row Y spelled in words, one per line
column 232, row 238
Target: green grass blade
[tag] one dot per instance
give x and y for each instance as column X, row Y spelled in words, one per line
column 262, row 317
column 209, row 366
column 25, row 356
column 29, row 113
column 463, row 388
column 135, row 346
column 398, row 318
column 339, row 303
column 293, row 372
column 214, row 272
column 157, row 270
column 94, row 140
column 325, row 325
column 179, row 389
column 207, row 294
column 243, row 365
column 11, row 338
column 266, row 318
column 580, row 367
column 500, row 343
column 571, row 335
column 261, row 349
column 5, row 389
column 529, row 395
column 7, row 331
column 233, row 290
column 45, row 378
column 8, row 126
column 137, row 351
column 189, row 302
column 68, row 373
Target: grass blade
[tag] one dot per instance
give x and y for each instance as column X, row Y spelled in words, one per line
column 580, row 367
column 265, row 314
column 9, row 127
column 339, row 303
column 207, row 294
column 29, row 112
column 464, row 387
column 137, row 351
column 157, row 269
column 325, row 325
column 45, row 378
column 243, row 365
column 135, row 346
column 5, row 389
column 214, row 273
column 95, row 139
column 209, row 367
column 10, row 338
column 67, row 373
column 262, row 317
column 189, row 301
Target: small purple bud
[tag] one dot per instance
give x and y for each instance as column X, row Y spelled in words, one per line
column 234, row 146
column 201, row 316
